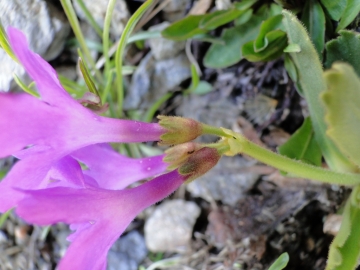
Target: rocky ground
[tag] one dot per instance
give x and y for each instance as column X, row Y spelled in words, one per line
column 242, row 214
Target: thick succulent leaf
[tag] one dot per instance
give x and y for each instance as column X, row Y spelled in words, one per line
column 335, row 8
column 302, row 145
column 276, row 42
column 342, row 100
column 344, row 251
column 312, row 83
column 351, row 11
column 314, row 19
column 280, row 262
column 345, row 48
column 244, row 17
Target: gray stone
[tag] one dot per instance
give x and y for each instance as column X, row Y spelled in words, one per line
column 127, row 252
column 44, row 27
column 170, row 226
column 228, row 181
column 163, row 48
column 98, row 8
column 152, row 79
column 175, row 10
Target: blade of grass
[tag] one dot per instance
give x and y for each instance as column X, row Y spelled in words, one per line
column 106, row 34
column 120, row 50
column 71, row 15
column 149, row 115
column 24, row 86
column 90, row 18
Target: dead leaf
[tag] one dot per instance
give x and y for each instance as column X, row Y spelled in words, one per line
column 201, row 7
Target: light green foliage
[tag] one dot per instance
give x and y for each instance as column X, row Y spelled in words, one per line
column 313, row 18
column 88, row 78
column 334, row 7
column 197, row 87
column 302, row 145
column 220, row 56
column 342, row 100
column 270, row 42
column 194, row 25
column 345, row 249
column 245, row 4
column 313, row 84
column 351, row 11
column 280, row 262
column 4, row 43
column 345, row 48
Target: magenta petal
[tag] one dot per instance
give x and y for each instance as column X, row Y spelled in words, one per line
column 114, row 171
column 66, row 172
column 29, row 173
column 39, row 70
column 108, row 212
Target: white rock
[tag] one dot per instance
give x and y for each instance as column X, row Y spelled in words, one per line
column 163, row 48
column 98, row 8
column 44, row 27
column 170, row 226
column 175, row 10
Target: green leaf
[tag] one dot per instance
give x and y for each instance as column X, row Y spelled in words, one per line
column 314, row 19
column 245, row 4
column 302, row 145
column 292, row 48
column 203, row 88
column 215, row 19
column 351, row 11
column 220, row 56
column 185, row 28
column 4, row 43
column 276, row 42
column 280, row 262
column 88, row 78
column 292, row 71
column 334, row 7
column 24, row 87
column 243, row 18
column 312, row 83
column 342, row 99
column 345, row 48
column 345, row 249
column 273, row 23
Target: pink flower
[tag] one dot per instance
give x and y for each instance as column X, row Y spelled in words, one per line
column 99, row 216
column 53, row 126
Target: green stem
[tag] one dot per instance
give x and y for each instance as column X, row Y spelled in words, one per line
column 120, row 50
column 106, row 33
column 90, row 18
column 206, row 129
column 295, row 167
column 71, row 15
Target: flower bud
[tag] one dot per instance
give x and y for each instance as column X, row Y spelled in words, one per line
column 199, row 163
column 178, row 154
column 179, row 129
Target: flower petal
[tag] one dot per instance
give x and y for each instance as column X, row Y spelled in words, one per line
column 39, row 70
column 114, row 171
column 108, row 212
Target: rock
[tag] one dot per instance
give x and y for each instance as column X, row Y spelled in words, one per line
column 152, row 79
column 170, row 226
column 175, row 10
column 163, row 48
column 98, row 8
column 44, row 26
column 127, row 252
column 227, row 181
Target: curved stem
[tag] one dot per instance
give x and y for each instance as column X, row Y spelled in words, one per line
column 298, row 168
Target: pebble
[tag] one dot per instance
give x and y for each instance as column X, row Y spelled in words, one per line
column 170, row 226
